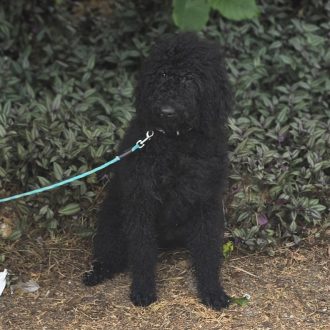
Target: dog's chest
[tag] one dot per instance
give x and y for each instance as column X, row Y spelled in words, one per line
column 168, row 169
column 169, row 159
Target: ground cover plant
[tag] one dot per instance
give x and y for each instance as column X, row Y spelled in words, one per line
column 66, row 80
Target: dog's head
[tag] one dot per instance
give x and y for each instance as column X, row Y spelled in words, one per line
column 183, row 85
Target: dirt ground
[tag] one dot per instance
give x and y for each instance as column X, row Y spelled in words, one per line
column 290, row 290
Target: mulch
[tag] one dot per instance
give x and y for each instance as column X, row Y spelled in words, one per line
column 290, row 290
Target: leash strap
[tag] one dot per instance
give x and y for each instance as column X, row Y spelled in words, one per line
column 139, row 145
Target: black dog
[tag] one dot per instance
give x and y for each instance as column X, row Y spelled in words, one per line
column 170, row 192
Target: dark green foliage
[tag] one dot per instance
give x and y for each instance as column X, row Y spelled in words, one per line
column 280, row 132
column 66, row 82
column 66, row 89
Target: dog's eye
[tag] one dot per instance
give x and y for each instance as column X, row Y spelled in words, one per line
column 163, row 74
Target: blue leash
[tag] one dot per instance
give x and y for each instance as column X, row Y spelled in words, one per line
column 139, row 145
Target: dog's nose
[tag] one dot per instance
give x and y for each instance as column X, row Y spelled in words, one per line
column 167, row 112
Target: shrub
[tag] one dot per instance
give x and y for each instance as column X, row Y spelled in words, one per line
column 66, row 80
column 280, row 139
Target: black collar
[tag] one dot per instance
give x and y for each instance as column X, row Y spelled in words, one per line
column 176, row 133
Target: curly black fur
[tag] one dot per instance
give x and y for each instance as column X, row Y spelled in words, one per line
column 170, row 192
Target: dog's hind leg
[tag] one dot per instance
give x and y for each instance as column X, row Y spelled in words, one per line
column 204, row 243
column 142, row 251
column 110, row 248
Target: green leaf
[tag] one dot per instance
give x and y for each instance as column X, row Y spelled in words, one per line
column 44, row 182
column 58, row 172
column 43, row 210
column 53, row 224
column 30, row 91
column 6, row 108
column 2, row 131
column 190, row 14
column 240, row 301
column 236, row 9
column 319, row 207
column 21, row 151
column 227, row 249
column 285, row 59
column 283, row 114
column 69, row 209
column 91, row 63
column 2, row 172
column 57, row 102
column 243, row 216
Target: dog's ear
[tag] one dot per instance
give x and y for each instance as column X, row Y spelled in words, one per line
column 216, row 98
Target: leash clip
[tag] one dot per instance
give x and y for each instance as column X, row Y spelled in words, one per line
column 149, row 135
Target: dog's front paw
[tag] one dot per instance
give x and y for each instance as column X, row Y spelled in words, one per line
column 143, row 299
column 216, row 299
column 97, row 275
column 91, row 278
